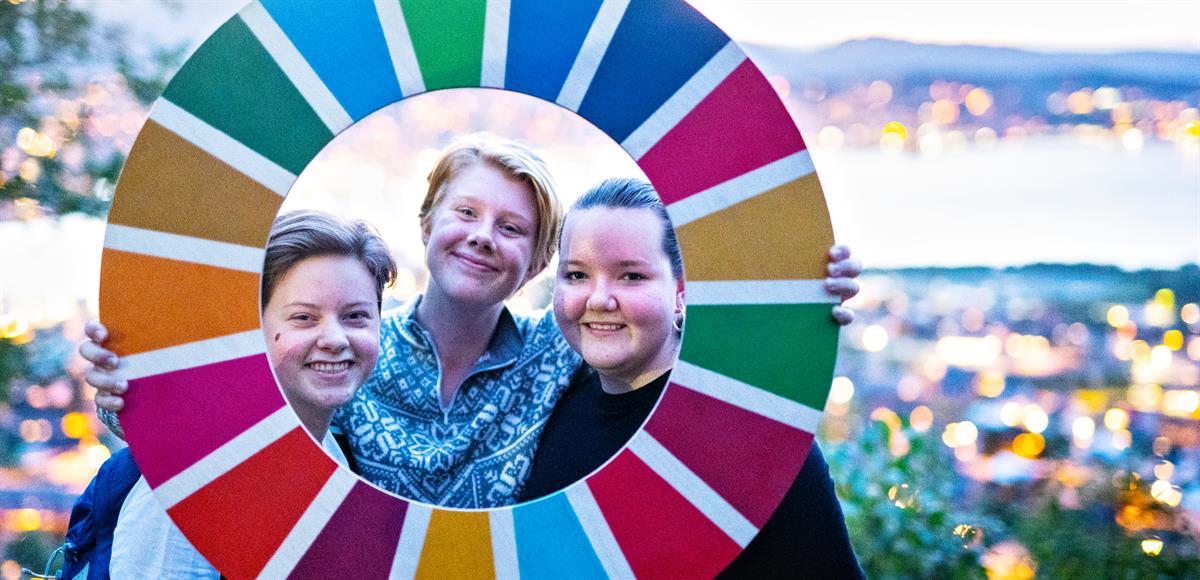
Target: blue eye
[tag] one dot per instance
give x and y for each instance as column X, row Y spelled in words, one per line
column 574, row 275
column 466, row 211
column 635, row 276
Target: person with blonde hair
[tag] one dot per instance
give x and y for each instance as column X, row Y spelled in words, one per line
column 454, row 410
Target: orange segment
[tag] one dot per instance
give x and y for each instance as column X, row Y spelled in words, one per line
column 150, row 303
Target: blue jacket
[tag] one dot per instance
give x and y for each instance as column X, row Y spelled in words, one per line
column 94, row 517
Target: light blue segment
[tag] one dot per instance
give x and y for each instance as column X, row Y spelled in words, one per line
column 551, row 542
column 344, row 44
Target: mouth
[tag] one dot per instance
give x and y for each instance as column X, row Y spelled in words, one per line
column 603, row 327
column 474, row 263
column 330, row 368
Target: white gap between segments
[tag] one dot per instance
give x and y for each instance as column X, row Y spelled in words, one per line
column 759, row 292
column 504, row 544
column 716, row 70
column 226, row 457
column 747, row 397
column 224, row 148
column 191, row 355
column 595, row 44
column 400, row 47
column 740, row 188
column 495, row 43
column 412, row 541
column 310, row 525
column 596, row 528
column 695, row 490
column 184, row 248
column 296, row 67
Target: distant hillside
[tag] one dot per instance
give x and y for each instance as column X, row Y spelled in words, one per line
column 1161, row 74
column 1070, row 282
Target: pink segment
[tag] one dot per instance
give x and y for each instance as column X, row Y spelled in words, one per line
column 175, row 419
column 750, row 460
column 740, row 126
column 661, row 534
column 359, row 539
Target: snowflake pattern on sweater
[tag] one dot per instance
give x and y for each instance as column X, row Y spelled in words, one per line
column 477, row 452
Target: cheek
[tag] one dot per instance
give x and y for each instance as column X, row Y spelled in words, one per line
column 365, row 342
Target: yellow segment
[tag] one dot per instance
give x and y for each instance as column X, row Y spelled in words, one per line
column 457, row 545
column 150, row 303
column 781, row 234
column 169, row 185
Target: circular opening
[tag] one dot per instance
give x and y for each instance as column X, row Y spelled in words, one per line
column 376, row 170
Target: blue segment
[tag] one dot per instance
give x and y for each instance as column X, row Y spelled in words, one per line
column 657, row 47
column 344, row 44
column 543, row 40
column 551, row 543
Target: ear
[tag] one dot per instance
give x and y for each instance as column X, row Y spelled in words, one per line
column 680, row 300
column 425, row 232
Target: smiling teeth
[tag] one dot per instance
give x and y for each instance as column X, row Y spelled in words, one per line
column 600, row 326
column 330, row 367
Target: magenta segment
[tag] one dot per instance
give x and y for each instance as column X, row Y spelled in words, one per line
column 749, row 460
column 175, row 419
column 660, row 532
column 360, row 539
column 739, row 127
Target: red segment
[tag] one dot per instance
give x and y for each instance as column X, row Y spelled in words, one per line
column 750, row 460
column 239, row 519
column 360, row 538
column 175, row 419
column 740, row 126
column 661, row 533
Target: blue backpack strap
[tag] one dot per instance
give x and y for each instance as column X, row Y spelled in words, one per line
column 88, row 544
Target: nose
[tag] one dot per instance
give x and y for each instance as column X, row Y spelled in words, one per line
column 481, row 236
column 332, row 338
column 601, row 298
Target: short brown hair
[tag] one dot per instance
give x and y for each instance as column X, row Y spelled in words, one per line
column 298, row 235
column 515, row 160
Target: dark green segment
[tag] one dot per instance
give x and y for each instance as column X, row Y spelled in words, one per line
column 447, row 36
column 233, row 84
column 787, row 349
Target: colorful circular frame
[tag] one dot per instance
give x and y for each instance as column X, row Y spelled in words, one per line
column 269, row 89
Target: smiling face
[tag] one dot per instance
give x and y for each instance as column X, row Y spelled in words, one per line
column 616, row 298
column 480, row 236
column 322, row 329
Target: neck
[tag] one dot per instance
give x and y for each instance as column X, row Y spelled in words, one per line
column 616, row 384
column 315, row 420
column 460, row 332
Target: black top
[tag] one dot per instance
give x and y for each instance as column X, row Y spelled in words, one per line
column 805, row 538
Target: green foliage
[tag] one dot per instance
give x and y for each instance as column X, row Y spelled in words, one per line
column 51, row 54
column 899, row 510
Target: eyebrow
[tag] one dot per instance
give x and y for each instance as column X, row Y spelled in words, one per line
column 311, row 305
column 622, row 263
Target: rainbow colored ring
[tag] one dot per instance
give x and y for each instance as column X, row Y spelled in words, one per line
column 272, row 86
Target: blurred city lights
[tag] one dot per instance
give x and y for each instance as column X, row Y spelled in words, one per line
column 1011, row 413
column 1190, row 313
column 1116, row 419
column 1029, row 445
column 1117, row 315
column 1152, row 546
column 874, row 338
column 841, row 390
column 1035, row 418
column 1173, row 339
column 921, row 419
column 1083, row 428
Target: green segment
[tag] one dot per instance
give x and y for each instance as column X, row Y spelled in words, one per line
column 786, row 349
column 447, row 36
column 233, row 84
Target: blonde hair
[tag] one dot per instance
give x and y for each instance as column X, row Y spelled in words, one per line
column 515, row 160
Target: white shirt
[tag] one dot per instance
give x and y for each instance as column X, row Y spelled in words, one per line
column 147, row 544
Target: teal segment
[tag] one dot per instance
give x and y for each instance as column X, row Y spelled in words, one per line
column 233, row 84
column 551, row 542
column 786, row 349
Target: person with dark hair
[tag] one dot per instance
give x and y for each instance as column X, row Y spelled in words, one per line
column 323, row 281
column 619, row 303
